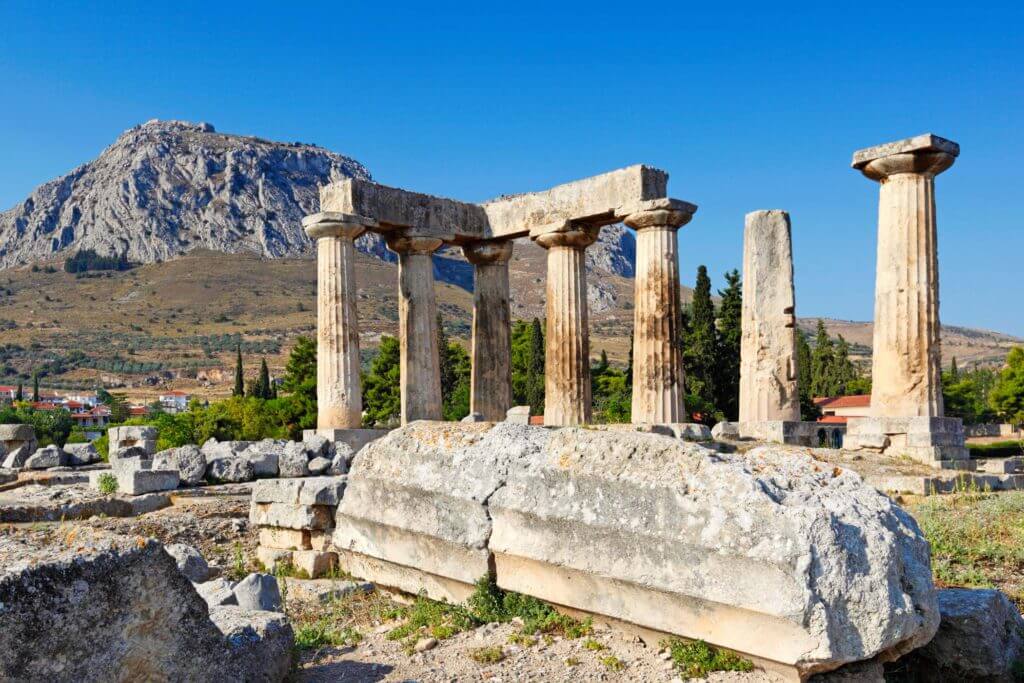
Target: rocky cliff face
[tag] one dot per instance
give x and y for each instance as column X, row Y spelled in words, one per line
column 165, row 188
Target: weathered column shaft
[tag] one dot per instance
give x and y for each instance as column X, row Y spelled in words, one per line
column 338, row 392
column 417, row 328
column 658, row 387
column 567, row 395
column 768, row 367
column 906, row 356
column 491, row 373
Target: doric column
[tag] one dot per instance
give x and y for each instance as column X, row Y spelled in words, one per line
column 657, row 356
column 417, row 327
column 768, row 367
column 906, row 363
column 491, row 375
column 338, row 393
column 567, row 342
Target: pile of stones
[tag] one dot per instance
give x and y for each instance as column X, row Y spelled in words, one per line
column 295, row 518
column 19, row 450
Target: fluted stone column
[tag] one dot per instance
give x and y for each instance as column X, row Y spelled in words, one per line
column 768, row 367
column 338, row 392
column 658, row 390
column 906, row 362
column 417, row 327
column 491, row 375
column 567, row 339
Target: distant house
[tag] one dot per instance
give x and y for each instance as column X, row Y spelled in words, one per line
column 87, row 400
column 138, row 411
column 838, row 409
column 175, row 401
column 7, row 393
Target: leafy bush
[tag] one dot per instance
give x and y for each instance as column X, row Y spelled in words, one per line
column 321, row 633
column 696, row 659
column 999, row 449
column 488, row 603
column 108, row 484
column 487, row 655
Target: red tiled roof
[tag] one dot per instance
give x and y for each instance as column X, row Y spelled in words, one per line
column 855, row 401
column 74, row 404
column 138, row 410
column 6, row 389
column 833, row 419
column 537, row 420
column 40, row 405
column 176, row 393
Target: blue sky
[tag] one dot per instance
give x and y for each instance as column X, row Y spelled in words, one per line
column 747, row 108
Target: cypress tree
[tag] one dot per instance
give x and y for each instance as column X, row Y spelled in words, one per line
column 700, row 353
column 629, row 369
column 808, row 411
column 730, row 336
column 535, row 371
column 20, row 396
column 239, row 375
column 823, row 364
column 35, row 386
column 263, row 385
column 953, row 371
column 446, row 362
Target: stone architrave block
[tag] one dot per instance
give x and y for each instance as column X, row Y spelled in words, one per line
column 314, row 562
column 290, row 516
column 138, row 482
column 285, row 539
column 304, row 491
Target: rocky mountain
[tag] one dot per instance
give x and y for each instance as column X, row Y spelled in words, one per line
column 166, row 188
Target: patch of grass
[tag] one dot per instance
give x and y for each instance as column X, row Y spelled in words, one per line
column 321, row 633
column 572, row 661
column 997, row 449
column 977, row 539
column 593, row 645
column 490, row 603
column 696, row 659
column 439, row 619
column 487, row 655
column 613, row 663
column 522, row 640
column 238, row 569
column 107, row 483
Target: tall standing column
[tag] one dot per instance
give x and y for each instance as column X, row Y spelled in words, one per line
column 338, row 392
column 417, row 327
column 491, row 375
column 768, row 367
column 658, row 391
column 906, row 361
column 567, row 339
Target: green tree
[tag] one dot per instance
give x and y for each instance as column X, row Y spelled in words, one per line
column 382, row 398
column 35, row 387
column 822, row 363
column 300, row 371
column 730, row 336
column 1007, row 396
column 456, row 403
column 700, row 350
column 535, row 371
column 804, row 375
column 239, row 389
column 446, row 362
column 954, row 372
column 20, row 395
column 521, row 335
column 966, row 394
column 263, row 383
column 844, row 372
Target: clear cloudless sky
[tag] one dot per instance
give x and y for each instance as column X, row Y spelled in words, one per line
column 747, row 107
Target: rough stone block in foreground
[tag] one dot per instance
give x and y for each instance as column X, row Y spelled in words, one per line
column 119, row 610
column 305, row 491
column 767, row 553
column 290, row 516
column 138, row 482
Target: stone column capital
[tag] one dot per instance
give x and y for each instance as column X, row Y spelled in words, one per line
column 483, row 253
column 336, row 224
column 579, row 237
column 402, row 243
column 927, row 155
column 660, row 213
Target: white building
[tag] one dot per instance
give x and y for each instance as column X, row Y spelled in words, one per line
column 175, row 401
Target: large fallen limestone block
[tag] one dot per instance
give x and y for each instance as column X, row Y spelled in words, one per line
column 133, row 436
column 290, row 516
column 980, row 638
column 229, row 470
column 118, row 609
column 769, row 553
column 137, row 482
column 44, row 458
column 306, row 491
column 81, row 454
column 416, row 501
